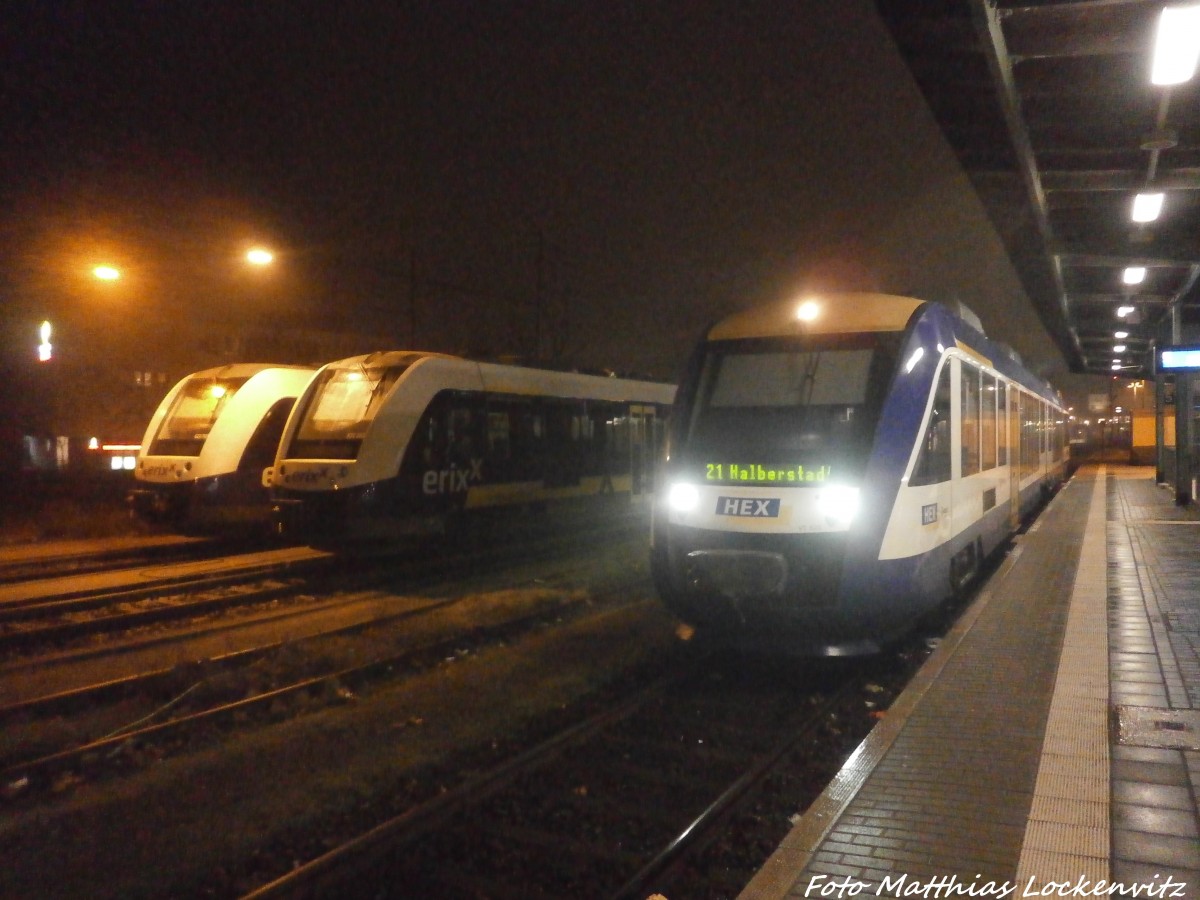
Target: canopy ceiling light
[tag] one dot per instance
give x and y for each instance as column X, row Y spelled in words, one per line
column 1147, row 207
column 1177, row 45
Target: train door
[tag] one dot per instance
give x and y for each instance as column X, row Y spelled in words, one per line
column 1014, row 455
column 965, row 559
column 934, row 467
column 642, row 430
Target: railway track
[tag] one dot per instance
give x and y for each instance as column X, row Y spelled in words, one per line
column 39, row 614
column 190, row 695
column 56, row 559
column 209, row 696
column 616, row 805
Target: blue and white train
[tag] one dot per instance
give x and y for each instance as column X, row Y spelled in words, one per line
column 838, row 466
column 201, row 461
column 403, row 442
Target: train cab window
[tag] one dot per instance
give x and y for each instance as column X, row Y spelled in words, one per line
column 340, row 410
column 969, row 431
column 786, row 403
column 193, row 413
column 933, row 460
column 987, row 418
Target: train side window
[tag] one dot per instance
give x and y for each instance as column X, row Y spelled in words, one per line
column 1002, row 423
column 1029, row 435
column 933, row 461
column 460, row 436
column 988, row 420
column 498, row 435
column 970, row 419
column 260, row 449
column 618, row 443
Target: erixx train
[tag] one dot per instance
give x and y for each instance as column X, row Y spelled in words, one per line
column 405, row 442
column 201, row 461
column 839, row 466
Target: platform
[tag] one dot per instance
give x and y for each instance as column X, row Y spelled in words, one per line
column 1050, row 746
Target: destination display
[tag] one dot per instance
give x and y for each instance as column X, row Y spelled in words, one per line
column 756, row 473
column 1179, row 359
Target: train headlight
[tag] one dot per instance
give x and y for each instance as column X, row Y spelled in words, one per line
column 683, row 497
column 839, row 503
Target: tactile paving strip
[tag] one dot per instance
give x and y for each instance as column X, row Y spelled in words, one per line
column 1068, row 832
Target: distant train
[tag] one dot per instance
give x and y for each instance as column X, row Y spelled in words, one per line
column 840, row 466
column 201, row 461
column 405, row 442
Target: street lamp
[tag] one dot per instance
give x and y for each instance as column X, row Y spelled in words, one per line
column 259, row 256
column 106, row 273
column 45, row 350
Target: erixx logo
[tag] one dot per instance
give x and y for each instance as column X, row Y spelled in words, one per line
column 452, row 480
column 748, row 506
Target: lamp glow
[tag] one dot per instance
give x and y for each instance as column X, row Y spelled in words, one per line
column 1176, row 45
column 45, row 348
column 1123, row 311
column 260, row 256
column 1134, row 275
column 1119, row 348
column 683, row 497
column 106, row 273
column 839, row 502
column 1120, row 335
column 807, row 311
column 1147, row 207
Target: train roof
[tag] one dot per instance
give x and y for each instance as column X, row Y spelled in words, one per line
column 513, row 379
column 858, row 312
column 830, row 313
column 245, row 370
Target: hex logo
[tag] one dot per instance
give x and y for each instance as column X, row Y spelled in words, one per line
column 749, row 507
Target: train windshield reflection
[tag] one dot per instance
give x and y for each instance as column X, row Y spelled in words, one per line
column 777, row 403
column 340, row 409
column 192, row 415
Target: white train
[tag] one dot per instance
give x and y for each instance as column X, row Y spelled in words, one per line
column 201, row 461
column 403, row 442
column 838, row 467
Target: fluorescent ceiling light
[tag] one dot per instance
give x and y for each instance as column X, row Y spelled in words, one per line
column 1123, row 311
column 1115, row 366
column 1134, row 275
column 1177, row 45
column 1147, row 207
column 1120, row 335
column 1119, row 348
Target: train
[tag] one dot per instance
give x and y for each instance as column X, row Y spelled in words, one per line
column 839, row 466
column 400, row 443
column 199, row 467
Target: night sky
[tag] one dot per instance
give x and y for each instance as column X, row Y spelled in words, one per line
column 640, row 167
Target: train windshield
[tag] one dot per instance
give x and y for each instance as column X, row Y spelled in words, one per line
column 784, row 406
column 192, row 415
column 340, row 409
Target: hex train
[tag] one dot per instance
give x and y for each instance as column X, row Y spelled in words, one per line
column 840, row 466
column 201, row 460
column 405, row 442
